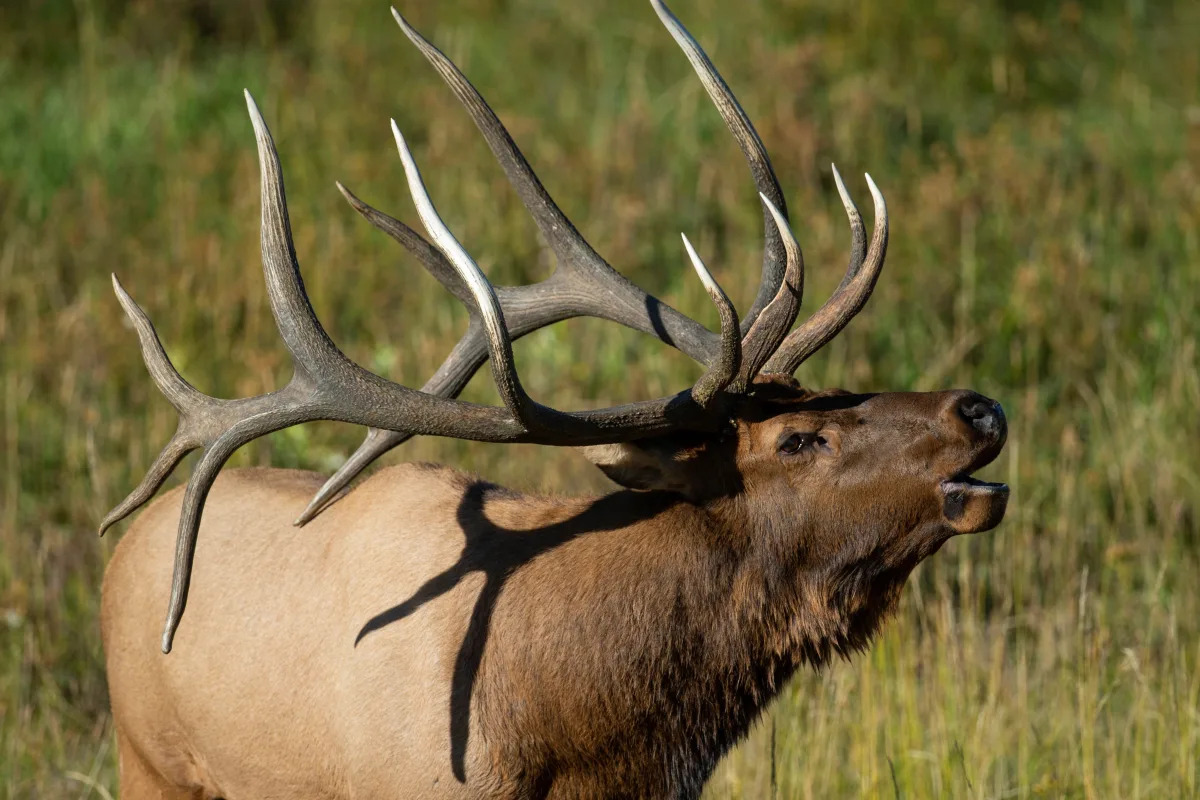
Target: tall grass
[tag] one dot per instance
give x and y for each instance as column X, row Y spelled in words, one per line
column 1042, row 168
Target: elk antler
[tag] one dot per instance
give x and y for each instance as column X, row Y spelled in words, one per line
column 326, row 385
column 584, row 284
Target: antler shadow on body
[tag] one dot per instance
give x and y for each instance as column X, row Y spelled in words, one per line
column 496, row 552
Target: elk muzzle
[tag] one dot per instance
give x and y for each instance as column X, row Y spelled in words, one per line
column 970, row 505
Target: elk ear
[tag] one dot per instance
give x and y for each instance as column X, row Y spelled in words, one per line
column 648, row 464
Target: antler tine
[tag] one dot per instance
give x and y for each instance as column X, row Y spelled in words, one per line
column 725, row 368
column 850, row 296
column 202, row 418
column 858, row 232
column 181, row 394
column 377, row 442
column 322, row 375
column 309, row 344
column 525, row 309
column 504, row 369
column 748, row 140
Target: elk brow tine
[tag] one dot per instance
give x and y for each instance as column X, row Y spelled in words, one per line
column 626, row 303
column 525, row 180
column 771, row 328
column 725, row 368
column 841, row 307
column 470, row 353
column 751, row 145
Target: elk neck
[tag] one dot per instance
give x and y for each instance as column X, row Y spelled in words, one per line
column 676, row 621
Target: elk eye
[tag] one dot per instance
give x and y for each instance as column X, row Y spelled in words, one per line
column 795, row 442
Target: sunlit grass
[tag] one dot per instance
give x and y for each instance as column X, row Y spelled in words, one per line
column 1041, row 170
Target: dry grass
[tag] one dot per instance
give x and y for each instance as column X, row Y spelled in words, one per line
column 1041, row 168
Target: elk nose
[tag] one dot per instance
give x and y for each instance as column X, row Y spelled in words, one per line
column 983, row 414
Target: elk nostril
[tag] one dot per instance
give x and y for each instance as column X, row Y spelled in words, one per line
column 983, row 415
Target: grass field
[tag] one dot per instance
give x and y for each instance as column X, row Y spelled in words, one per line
column 1042, row 169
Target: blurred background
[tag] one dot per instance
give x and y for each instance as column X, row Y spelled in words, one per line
column 1041, row 163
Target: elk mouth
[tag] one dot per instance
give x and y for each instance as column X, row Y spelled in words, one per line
column 971, row 505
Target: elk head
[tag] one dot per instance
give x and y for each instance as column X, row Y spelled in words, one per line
column 849, row 491
column 871, row 475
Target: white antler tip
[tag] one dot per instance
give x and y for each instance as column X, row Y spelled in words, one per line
column 710, row 283
column 401, row 144
column 256, row 117
column 124, row 299
column 842, row 191
column 875, row 193
column 403, row 23
column 781, row 223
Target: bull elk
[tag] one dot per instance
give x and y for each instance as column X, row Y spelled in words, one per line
column 433, row 635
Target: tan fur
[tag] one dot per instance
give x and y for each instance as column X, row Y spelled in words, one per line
column 431, row 635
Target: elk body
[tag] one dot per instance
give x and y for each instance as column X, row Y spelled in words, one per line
column 429, row 634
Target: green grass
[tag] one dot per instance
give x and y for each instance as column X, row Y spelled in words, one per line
column 1041, row 169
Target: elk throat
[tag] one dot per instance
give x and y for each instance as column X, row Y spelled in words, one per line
column 680, row 631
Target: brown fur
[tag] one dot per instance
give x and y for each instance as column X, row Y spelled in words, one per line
column 433, row 635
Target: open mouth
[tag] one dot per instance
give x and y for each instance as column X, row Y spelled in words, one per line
column 962, row 482
column 968, row 483
column 971, row 505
